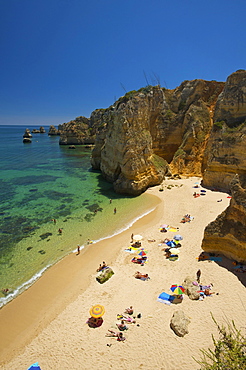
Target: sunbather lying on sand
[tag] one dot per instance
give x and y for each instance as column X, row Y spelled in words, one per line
column 122, row 326
column 140, row 261
column 128, row 319
column 118, row 335
column 138, row 275
column 129, row 310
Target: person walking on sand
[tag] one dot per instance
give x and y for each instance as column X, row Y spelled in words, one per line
column 132, row 238
column 78, row 249
column 198, row 275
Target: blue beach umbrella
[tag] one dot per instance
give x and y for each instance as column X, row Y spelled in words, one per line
column 178, row 237
column 34, row 367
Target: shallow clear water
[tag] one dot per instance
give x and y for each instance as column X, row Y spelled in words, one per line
column 42, row 181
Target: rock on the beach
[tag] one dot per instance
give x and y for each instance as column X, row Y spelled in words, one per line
column 179, row 323
column 105, row 275
column 190, row 289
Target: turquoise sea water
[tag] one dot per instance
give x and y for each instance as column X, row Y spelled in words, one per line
column 42, row 181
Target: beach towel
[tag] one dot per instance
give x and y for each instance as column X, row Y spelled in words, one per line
column 130, row 250
column 165, row 298
column 173, row 258
column 173, row 229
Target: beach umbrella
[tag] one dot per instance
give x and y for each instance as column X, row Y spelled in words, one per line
column 178, row 237
column 137, row 238
column 177, row 289
column 171, row 244
column 142, row 253
column 34, row 367
column 174, row 250
column 97, row 311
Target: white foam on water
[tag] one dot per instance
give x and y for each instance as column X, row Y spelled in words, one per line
column 9, row 297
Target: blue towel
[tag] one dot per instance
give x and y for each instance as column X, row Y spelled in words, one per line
column 166, row 297
column 215, row 259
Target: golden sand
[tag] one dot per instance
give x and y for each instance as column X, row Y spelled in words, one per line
column 47, row 323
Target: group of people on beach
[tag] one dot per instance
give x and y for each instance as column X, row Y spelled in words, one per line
column 122, row 324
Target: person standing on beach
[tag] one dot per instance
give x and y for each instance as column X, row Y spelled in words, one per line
column 132, row 238
column 78, row 249
column 198, row 275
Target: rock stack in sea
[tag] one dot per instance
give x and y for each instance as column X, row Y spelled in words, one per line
column 27, row 136
column 53, row 131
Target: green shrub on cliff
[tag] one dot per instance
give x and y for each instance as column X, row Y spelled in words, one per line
column 159, row 162
column 219, row 125
column 229, row 351
column 180, row 153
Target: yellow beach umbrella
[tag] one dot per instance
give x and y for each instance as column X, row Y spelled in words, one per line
column 97, row 311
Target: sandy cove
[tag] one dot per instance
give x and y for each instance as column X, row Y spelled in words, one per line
column 47, row 323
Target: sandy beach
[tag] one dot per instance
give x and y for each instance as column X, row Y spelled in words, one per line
column 47, row 323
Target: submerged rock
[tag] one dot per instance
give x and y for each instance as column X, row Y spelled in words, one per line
column 27, row 140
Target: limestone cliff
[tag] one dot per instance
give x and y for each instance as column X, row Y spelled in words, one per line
column 226, row 148
column 145, row 128
column 78, row 131
column 226, row 234
column 197, row 128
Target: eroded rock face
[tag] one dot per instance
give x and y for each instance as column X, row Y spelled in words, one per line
column 152, row 126
column 75, row 132
column 225, row 154
column 226, row 234
column 231, row 104
column 53, row 131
